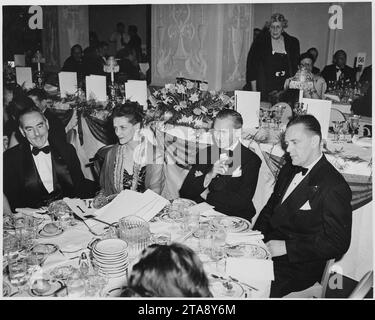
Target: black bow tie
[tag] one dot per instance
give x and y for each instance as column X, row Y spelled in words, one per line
column 338, row 69
column 35, row 151
column 298, row 169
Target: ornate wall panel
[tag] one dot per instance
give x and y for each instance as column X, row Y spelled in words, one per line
column 205, row 42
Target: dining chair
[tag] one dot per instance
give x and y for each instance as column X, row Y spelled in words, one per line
column 97, row 161
column 363, row 287
column 318, row 290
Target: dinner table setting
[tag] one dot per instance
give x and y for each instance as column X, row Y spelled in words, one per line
column 85, row 248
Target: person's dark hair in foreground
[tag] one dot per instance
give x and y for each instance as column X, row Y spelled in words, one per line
column 168, row 271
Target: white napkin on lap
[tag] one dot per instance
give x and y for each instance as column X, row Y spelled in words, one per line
column 248, row 270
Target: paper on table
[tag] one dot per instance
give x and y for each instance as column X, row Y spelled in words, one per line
column 96, row 88
column 145, row 205
column 78, row 206
column 201, row 208
column 248, row 270
column 19, row 60
column 136, row 90
column 248, row 105
column 24, row 77
column 321, row 110
column 67, row 83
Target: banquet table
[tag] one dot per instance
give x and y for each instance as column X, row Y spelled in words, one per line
column 353, row 160
column 77, row 238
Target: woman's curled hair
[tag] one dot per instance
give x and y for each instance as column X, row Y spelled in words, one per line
column 168, row 271
column 133, row 111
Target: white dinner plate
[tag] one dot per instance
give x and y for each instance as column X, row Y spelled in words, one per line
column 55, row 285
column 233, row 224
column 114, row 292
column 226, row 288
column 44, row 234
column 246, row 250
column 111, row 246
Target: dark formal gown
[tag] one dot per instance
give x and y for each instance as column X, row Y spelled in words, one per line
column 271, row 69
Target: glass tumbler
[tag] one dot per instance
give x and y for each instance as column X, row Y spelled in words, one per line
column 136, row 232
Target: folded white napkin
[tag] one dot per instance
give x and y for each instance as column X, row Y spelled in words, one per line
column 248, row 270
column 247, row 237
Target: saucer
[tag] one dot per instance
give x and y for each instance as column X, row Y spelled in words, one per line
column 44, row 234
column 55, row 285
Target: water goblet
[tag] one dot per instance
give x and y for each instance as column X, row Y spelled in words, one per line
column 336, row 129
column 354, row 124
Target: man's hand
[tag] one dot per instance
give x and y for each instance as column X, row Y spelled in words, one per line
column 276, row 247
column 219, row 168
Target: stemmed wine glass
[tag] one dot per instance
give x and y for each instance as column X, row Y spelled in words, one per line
column 337, row 125
column 278, row 114
column 354, row 124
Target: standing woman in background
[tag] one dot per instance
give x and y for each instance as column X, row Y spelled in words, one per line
column 273, row 57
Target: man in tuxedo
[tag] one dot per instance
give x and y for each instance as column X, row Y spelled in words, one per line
column 57, row 129
column 308, row 218
column 226, row 174
column 38, row 169
column 338, row 70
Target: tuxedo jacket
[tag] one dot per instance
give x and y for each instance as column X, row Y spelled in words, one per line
column 232, row 193
column 329, row 73
column 317, row 234
column 23, row 185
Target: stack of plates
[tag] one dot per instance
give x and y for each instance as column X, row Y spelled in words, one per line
column 111, row 257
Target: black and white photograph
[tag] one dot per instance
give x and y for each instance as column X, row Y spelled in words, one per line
column 212, row 150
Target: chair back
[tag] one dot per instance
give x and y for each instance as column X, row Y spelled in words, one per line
column 363, row 287
column 325, row 277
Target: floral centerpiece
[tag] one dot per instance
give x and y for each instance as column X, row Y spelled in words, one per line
column 186, row 104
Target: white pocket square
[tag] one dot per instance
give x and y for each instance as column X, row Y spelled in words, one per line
column 237, row 172
column 198, row 173
column 306, row 206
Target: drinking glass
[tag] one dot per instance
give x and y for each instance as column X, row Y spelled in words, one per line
column 204, row 235
column 94, row 285
column 218, row 239
column 17, row 271
column 136, row 232
column 336, row 129
column 354, row 123
column 190, row 221
column 75, row 285
column 11, row 245
column 26, row 228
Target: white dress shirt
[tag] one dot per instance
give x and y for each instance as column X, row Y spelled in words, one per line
column 43, row 162
column 298, row 178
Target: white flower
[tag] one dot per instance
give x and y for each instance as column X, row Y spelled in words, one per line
column 180, row 88
column 181, row 105
column 194, row 97
column 189, row 84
